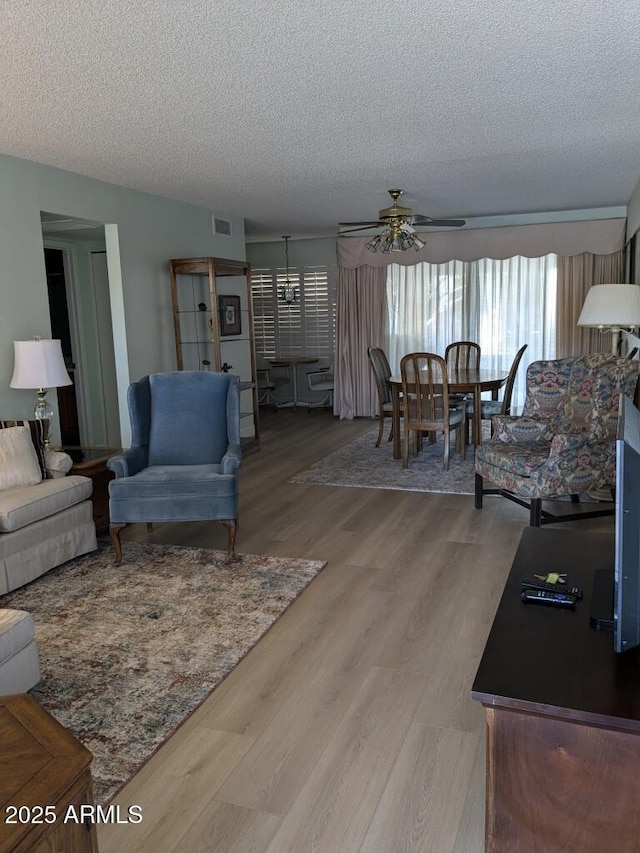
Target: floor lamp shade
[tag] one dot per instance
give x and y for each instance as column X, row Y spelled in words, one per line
column 611, row 306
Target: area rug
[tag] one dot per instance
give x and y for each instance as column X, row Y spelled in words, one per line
column 128, row 652
column 363, row 465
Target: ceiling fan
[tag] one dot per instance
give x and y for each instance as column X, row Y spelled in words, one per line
column 400, row 224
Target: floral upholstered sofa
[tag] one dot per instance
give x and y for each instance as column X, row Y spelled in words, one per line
column 564, row 441
column 46, row 518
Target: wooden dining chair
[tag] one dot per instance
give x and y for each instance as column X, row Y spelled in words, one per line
column 425, row 403
column 382, row 373
column 463, row 355
column 489, row 408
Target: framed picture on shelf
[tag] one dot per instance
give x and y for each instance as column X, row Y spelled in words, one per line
column 230, row 318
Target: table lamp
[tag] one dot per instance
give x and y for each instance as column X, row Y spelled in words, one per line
column 39, row 365
column 611, row 307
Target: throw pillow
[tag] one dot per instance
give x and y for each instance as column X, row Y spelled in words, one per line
column 37, row 430
column 18, row 461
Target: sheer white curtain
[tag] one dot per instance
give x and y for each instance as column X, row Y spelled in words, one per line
column 500, row 304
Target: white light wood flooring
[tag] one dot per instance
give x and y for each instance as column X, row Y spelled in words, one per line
column 349, row 728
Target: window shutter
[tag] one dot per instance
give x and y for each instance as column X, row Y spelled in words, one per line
column 264, row 319
column 305, row 327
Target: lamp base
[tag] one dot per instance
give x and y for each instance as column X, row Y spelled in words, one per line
column 615, row 340
column 43, row 412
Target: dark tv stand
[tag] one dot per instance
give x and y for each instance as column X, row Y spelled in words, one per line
column 601, row 616
column 563, row 712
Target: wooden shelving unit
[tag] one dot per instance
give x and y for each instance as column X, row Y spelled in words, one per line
column 203, row 342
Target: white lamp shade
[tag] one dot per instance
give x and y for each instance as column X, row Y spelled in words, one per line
column 38, row 364
column 611, row 305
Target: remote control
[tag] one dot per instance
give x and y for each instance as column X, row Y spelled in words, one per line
column 542, row 596
column 552, row 587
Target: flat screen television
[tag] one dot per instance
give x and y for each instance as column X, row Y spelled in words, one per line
column 616, row 593
column 627, row 558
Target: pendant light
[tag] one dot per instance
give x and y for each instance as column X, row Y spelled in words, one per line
column 287, row 291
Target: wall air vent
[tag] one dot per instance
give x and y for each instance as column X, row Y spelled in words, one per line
column 222, row 227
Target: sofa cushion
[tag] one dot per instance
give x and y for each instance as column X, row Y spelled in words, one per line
column 16, row 632
column 19, row 507
column 18, row 461
column 37, row 431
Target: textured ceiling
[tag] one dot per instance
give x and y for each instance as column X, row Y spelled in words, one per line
column 297, row 114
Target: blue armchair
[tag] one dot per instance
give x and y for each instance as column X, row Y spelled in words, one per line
column 184, row 455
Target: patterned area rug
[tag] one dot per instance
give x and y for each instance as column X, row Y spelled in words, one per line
column 362, row 465
column 127, row 652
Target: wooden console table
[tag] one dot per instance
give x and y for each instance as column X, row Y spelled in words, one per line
column 563, row 713
column 92, row 462
column 41, row 765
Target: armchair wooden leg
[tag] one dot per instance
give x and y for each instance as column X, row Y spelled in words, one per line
column 149, row 525
column 575, row 499
column 535, row 512
column 380, row 430
column 232, row 529
column 478, row 491
column 114, row 534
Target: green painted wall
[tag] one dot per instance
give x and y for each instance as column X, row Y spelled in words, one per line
column 147, row 230
column 302, row 253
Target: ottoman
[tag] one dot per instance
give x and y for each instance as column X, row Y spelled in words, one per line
column 19, row 663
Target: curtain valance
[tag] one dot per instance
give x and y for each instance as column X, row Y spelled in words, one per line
column 597, row 236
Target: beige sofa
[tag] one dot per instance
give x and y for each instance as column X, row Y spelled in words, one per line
column 19, row 660
column 44, row 521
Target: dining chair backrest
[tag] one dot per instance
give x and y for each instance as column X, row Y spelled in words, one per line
column 425, row 391
column 511, row 380
column 464, row 355
column 381, row 372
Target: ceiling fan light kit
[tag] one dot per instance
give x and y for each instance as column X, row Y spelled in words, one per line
column 396, row 240
column 399, row 234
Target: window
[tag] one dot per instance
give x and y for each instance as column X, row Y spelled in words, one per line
column 501, row 304
column 305, row 327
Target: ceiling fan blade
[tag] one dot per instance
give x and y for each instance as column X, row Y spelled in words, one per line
column 367, row 227
column 439, row 223
column 370, row 222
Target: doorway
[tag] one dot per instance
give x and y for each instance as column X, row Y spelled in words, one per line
column 54, row 262
column 75, row 255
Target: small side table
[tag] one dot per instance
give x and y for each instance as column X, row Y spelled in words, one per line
column 41, row 764
column 92, row 462
column 292, row 365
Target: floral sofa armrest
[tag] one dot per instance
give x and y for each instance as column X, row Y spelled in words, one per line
column 522, row 429
column 58, row 464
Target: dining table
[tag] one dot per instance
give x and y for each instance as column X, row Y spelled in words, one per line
column 460, row 381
